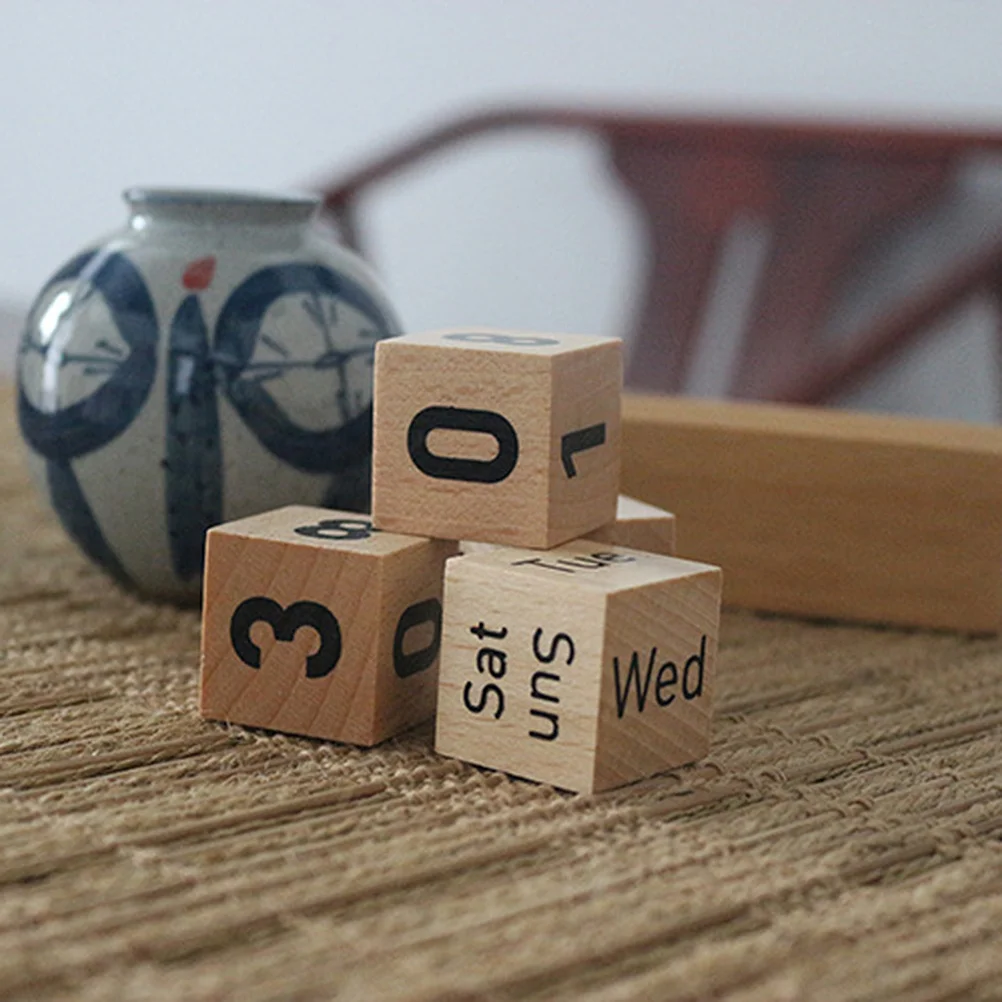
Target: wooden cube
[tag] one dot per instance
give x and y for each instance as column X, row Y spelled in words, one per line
column 586, row 667
column 639, row 526
column 314, row 623
column 496, row 436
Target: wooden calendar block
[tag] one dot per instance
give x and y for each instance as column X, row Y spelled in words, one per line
column 639, row 526
column 587, row 666
column 314, row 623
column 496, row 436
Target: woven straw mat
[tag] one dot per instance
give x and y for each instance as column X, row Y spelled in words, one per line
column 842, row 841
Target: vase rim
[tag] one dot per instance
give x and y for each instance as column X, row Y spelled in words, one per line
column 213, row 204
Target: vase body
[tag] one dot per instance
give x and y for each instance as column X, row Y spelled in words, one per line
column 211, row 360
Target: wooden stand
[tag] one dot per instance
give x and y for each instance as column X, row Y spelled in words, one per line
column 826, row 513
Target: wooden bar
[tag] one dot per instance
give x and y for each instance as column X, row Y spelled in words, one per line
column 826, row 513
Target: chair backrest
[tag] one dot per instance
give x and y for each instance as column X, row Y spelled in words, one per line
column 833, row 204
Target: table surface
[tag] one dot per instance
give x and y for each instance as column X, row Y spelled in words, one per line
column 842, row 840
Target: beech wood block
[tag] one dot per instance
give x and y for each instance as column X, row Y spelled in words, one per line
column 313, row 623
column 496, row 436
column 586, row 667
column 638, row 525
column 827, row 513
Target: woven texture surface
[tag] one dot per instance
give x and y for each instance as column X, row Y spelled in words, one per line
column 841, row 842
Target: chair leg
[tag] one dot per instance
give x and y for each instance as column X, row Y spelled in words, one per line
column 689, row 200
column 829, row 208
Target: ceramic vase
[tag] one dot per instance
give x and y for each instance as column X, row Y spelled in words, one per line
column 211, row 360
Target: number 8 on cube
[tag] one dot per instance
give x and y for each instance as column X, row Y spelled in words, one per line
column 498, row 437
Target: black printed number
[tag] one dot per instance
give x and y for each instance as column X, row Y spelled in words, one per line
column 428, row 611
column 580, row 441
column 515, row 340
column 285, row 622
column 480, row 471
column 338, row 528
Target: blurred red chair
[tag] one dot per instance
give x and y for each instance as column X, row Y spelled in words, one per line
column 832, row 199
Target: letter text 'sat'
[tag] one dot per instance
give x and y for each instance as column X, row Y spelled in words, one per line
column 498, row 436
column 588, row 666
column 315, row 623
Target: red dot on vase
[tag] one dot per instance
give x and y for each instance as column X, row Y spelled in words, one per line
column 198, row 275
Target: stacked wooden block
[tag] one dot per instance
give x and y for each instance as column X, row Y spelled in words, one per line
column 570, row 646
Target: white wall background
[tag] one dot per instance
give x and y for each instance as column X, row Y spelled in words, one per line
column 99, row 95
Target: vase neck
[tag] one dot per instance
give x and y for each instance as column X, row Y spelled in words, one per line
column 195, row 207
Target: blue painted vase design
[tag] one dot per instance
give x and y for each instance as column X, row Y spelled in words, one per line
column 211, row 361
